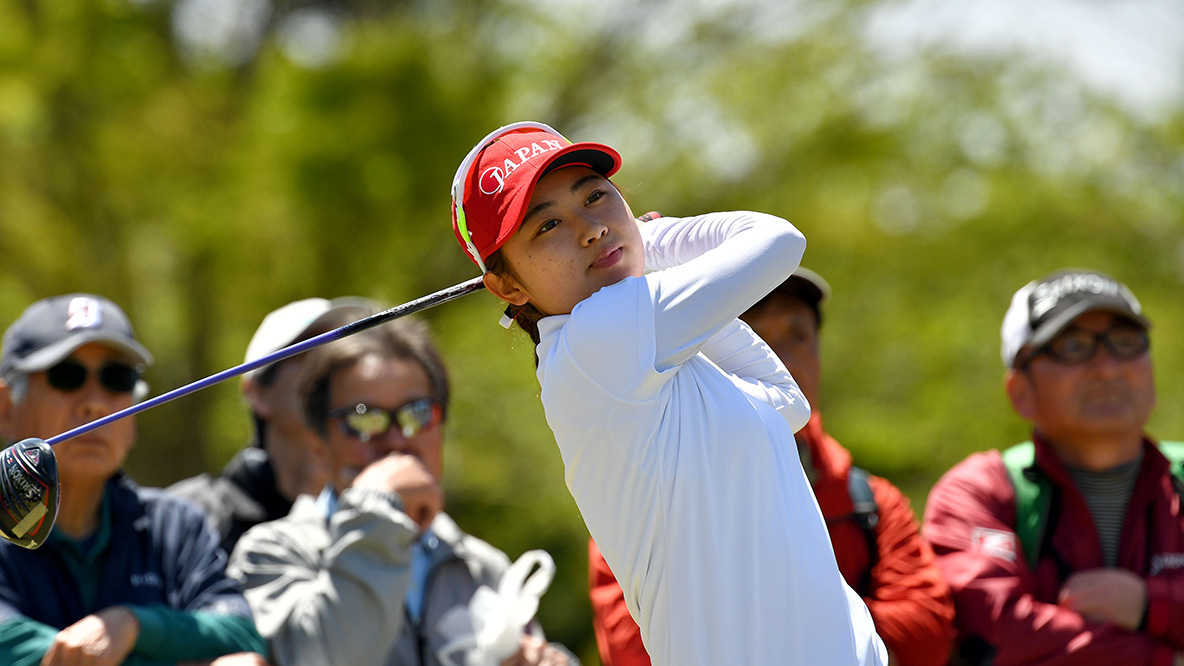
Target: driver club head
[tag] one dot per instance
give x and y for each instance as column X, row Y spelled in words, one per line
column 29, row 492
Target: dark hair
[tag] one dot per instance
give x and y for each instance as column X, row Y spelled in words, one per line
column 526, row 316
column 406, row 339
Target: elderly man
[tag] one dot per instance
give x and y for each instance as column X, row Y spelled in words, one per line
column 261, row 482
column 363, row 574
column 129, row 575
column 1068, row 549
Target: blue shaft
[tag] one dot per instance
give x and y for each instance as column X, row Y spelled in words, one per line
column 442, row 296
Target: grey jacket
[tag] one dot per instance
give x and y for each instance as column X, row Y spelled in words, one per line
column 329, row 592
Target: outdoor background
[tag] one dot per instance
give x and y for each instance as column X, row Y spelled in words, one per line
column 203, row 162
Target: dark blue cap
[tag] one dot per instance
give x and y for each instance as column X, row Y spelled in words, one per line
column 52, row 328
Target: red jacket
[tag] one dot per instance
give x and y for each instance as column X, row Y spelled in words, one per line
column 970, row 519
column 909, row 601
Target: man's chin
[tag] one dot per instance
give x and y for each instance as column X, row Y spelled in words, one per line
column 80, row 465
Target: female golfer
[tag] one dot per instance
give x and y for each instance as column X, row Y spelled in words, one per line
column 675, row 422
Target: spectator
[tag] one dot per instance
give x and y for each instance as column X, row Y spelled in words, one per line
column 878, row 545
column 363, row 573
column 128, row 575
column 1100, row 581
column 261, row 482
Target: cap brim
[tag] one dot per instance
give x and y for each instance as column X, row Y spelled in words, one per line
column 1054, row 325
column 47, row 357
column 596, row 156
column 806, row 285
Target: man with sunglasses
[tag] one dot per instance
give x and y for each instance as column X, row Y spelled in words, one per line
column 261, row 482
column 363, row 574
column 1068, row 549
column 128, row 575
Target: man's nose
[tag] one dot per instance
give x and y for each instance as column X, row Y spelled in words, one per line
column 392, row 441
column 1104, row 360
column 94, row 401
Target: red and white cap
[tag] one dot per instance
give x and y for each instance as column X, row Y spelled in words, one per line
column 493, row 185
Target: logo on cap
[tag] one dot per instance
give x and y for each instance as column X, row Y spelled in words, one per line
column 493, row 179
column 83, row 312
column 1046, row 296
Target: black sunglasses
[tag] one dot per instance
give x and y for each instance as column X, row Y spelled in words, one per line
column 1078, row 345
column 364, row 422
column 70, row 375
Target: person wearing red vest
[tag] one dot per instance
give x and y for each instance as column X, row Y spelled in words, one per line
column 1106, row 583
column 880, row 552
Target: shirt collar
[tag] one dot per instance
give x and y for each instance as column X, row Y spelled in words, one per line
column 87, row 548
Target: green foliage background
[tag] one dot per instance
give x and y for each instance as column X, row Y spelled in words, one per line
column 201, row 196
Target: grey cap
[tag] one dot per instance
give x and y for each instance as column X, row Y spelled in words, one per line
column 52, row 328
column 1043, row 308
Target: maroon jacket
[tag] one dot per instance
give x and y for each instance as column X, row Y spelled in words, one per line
column 970, row 519
column 908, row 599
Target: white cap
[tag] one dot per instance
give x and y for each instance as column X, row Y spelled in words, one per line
column 1043, row 308
column 286, row 325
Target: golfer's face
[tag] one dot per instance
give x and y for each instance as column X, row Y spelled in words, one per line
column 578, row 236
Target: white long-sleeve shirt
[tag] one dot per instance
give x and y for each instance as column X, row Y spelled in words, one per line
column 675, row 423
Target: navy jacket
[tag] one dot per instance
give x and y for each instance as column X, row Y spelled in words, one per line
column 162, row 560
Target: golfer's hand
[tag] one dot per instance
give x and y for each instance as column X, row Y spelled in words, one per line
column 103, row 639
column 411, row 480
column 536, row 652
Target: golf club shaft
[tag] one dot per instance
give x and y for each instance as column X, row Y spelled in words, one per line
column 442, row 296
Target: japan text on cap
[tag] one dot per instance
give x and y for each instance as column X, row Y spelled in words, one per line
column 494, row 183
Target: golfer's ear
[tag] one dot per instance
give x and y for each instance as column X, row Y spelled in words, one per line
column 505, row 288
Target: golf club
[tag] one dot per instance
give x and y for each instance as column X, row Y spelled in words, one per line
column 29, row 492
column 28, row 470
